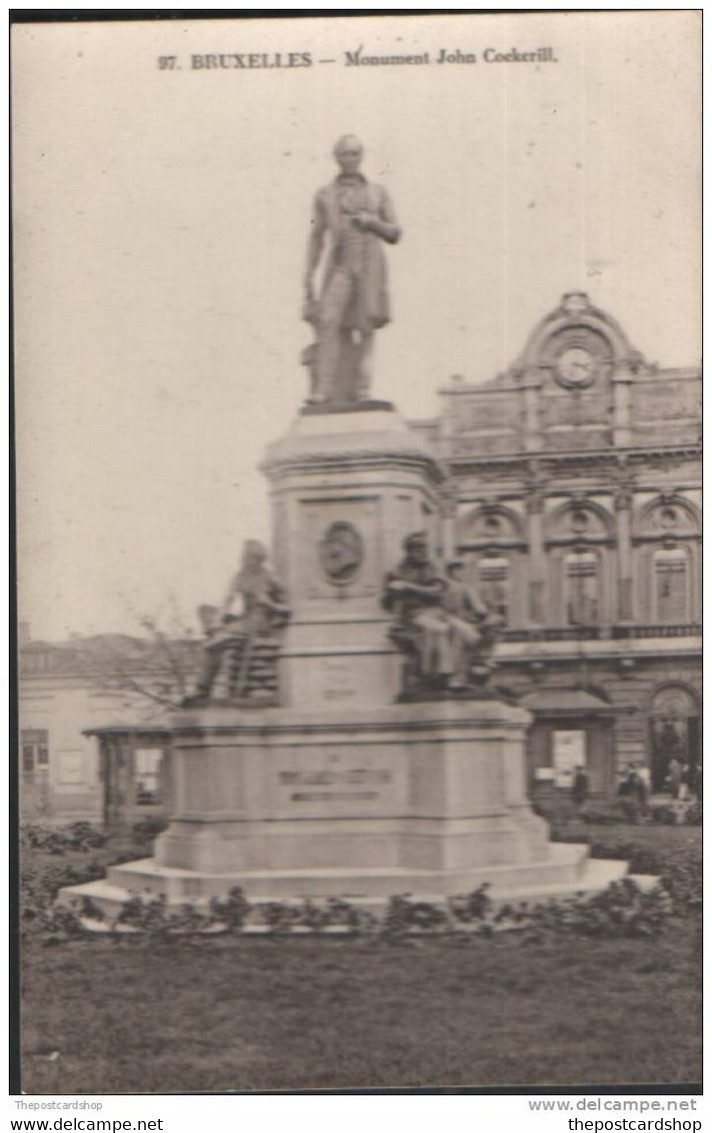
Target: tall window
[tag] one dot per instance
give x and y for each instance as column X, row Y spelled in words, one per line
column 582, row 588
column 35, row 753
column 148, row 776
column 670, row 585
column 493, row 585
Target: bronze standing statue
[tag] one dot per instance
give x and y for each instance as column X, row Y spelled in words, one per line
column 356, row 216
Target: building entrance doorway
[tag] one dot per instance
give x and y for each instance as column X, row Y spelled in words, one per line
column 674, row 733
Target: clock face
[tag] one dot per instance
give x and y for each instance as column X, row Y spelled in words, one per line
column 576, row 366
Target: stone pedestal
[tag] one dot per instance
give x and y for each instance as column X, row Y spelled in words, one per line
column 432, row 787
column 421, row 798
column 346, row 489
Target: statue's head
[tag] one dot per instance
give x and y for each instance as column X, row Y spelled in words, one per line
column 348, row 151
column 456, row 569
column 254, row 554
column 416, row 547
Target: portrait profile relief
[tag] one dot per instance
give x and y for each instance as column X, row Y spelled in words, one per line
column 359, row 553
column 341, row 551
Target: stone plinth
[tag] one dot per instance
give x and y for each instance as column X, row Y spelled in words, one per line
column 427, row 786
column 422, row 798
column 364, row 477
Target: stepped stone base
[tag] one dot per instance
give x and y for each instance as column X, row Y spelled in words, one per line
column 570, row 871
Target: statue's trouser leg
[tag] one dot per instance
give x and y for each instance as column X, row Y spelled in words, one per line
column 210, row 668
column 459, row 657
column 364, row 367
column 464, row 639
column 332, row 308
column 437, row 649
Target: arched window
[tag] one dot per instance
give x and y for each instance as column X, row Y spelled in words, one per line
column 674, row 732
column 493, row 585
column 670, row 585
column 581, row 588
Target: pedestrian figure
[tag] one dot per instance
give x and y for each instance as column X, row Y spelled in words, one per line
column 641, row 788
column 687, row 781
column 697, row 783
column 675, row 776
column 579, row 787
column 629, row 794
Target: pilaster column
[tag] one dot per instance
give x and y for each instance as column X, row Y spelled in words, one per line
column 537, row 560
column 532, row 431
column 107, row 798
column 449, row 515
column 621, row 383
column 623, row 501
column 118, row 765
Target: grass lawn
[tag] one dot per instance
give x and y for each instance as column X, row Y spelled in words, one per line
column 252, row 1013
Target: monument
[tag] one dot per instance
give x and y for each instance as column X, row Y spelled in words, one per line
column 343, row 739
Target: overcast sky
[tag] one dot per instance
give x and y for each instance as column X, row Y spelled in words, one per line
column 160, row 223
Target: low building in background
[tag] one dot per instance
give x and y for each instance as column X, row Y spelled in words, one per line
column 110, row 682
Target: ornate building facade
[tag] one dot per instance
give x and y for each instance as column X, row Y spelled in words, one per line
column 574, row 498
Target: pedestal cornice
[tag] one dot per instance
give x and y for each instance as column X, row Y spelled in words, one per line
column 371, row 439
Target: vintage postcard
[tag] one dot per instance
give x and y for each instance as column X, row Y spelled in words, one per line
column 357, row 374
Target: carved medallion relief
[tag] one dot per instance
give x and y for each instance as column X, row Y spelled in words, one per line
column 340, row 553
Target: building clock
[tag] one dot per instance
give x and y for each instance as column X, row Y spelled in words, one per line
column 576, row 367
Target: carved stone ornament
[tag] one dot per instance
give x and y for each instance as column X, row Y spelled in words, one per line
column 580, row 520
column 492, row 524
column 341, row 552
column 575, row 303
column 534, row 501
column 667, row 517
column 623, row 497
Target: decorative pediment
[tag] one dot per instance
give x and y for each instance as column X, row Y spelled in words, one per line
column 489, row 523
column 577, row 341
column 668, row 516
column 675, row 700
column 579, row 519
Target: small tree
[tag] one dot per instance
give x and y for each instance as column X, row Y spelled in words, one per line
column 159, row 667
